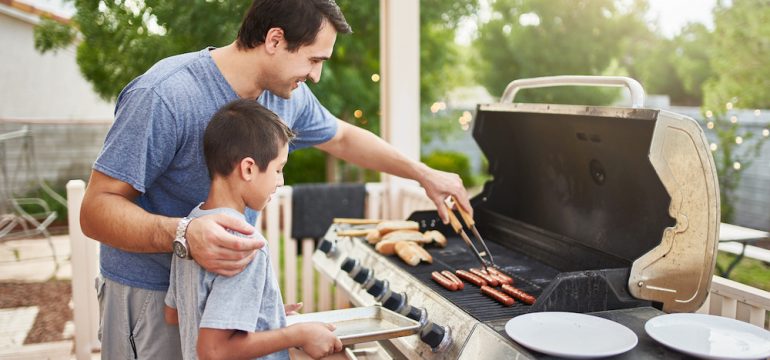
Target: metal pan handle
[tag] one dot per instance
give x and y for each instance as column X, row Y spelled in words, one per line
column 636, row 89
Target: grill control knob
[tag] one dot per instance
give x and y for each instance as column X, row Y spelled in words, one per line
column 377, row 288
column 363, row 275
column 327, row 247
column 349, row 264
column 394, row 302
column 436, row 336
column 418, row 314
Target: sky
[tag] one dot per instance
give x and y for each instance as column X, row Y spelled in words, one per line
column 671, row 14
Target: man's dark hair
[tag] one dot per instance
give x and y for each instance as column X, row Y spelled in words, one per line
column 300, row 20
column 243, row 128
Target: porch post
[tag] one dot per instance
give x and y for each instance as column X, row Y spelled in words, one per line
column 400, row 91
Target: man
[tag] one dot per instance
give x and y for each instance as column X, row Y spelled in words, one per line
column 151, row 171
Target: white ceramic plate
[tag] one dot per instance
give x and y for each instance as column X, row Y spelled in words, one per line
column 570, row 335
column 710, row 336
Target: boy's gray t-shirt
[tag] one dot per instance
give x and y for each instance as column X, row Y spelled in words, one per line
column 250, row 301
column 156, row 146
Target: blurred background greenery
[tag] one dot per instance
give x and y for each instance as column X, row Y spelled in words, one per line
column 699, row 65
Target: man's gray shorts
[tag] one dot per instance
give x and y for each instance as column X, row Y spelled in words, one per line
column 132, row 325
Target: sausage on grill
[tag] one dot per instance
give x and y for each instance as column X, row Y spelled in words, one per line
column 471, row 278
column 443, row 281
column 448, row 274
column 497, row 295
column 503, row 277
column 491, row 281
column 518, row 294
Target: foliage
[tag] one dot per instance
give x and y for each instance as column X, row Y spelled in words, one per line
column 751, row 272
column 572, row 38
column 740, row 52
column 451, row 161
column 305, row 166
column 731, row 157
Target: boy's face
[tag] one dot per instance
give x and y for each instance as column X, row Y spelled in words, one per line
column 264, row 184
column 306, row 62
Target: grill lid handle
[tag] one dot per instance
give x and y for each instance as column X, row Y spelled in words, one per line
column 634, row 87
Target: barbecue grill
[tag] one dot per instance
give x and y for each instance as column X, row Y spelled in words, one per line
column 604, row 210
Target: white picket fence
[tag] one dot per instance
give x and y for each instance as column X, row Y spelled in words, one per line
column 300, row 281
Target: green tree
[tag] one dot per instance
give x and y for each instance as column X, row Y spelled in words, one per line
column 118, row 40
column 531, row 38
column 740, row 52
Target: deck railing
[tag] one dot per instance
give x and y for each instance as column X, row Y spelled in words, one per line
column 301, row 283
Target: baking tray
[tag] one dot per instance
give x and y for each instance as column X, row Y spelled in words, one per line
column 361, row 324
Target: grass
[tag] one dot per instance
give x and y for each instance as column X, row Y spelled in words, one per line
column 749, row 271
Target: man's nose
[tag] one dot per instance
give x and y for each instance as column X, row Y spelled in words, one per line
column 315, row 73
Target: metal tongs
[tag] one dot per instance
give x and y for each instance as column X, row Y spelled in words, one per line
column 450, row 202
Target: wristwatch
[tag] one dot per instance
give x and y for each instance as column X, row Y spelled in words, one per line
column 180, row 241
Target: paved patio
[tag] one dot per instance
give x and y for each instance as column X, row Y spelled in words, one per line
column 31, row 260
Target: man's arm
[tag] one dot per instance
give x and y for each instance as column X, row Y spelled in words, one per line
column 316, row 339
column 109, row 215
column 365, row 149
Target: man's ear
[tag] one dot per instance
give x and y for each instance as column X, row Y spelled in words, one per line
column 248, row 168
column 273, row 39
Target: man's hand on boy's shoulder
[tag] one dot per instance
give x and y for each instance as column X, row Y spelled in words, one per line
column 217, row 250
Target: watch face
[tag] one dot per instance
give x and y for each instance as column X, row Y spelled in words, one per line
column 180, row 250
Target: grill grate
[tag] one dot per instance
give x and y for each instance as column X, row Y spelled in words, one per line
column 529, row 275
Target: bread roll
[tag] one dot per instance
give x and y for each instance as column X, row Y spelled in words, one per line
column 405, row 235
column 412, row 253
column 387, row 247
column 435, row 237
column 373, row 236
column 393, row 225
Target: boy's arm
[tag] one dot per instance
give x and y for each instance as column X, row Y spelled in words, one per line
column 171, row 315
column 316, row 339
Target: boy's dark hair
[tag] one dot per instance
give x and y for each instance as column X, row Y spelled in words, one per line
column 300, row 20
column 243, row 128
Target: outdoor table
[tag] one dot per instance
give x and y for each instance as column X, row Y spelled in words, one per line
column 742, row 235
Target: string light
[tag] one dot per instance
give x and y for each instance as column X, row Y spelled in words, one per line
column 709, row 114
column 710, row 125
column 376, row 77
column 765, row 132
column 358, row 113
column 738, row 140
column 733, row 119
column 736, row 165
column 729, row 106
column 713, row 147
column 757, row 112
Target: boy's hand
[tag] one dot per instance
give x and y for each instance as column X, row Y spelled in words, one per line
column 217, row 250
column 291, row 309
column 318, row 339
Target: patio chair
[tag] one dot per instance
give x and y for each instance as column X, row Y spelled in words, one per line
column 23, row 216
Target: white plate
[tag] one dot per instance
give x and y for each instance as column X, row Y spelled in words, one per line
column 709, row 336
column 570, row 335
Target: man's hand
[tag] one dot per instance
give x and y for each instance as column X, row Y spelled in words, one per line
column 439, row 185
column 292, row 309
column 216, row 249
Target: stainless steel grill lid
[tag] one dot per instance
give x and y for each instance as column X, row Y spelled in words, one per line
column 582, row 188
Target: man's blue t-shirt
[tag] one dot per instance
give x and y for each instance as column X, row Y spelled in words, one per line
column 156, row 146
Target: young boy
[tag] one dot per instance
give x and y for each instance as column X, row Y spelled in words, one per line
column 240, row 317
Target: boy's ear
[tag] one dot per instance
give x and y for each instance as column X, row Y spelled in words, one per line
column 248, row 168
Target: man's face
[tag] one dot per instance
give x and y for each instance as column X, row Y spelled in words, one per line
column 291, row 68
column 265, row 184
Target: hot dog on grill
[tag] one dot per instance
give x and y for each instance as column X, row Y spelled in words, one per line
column 443, row 281
column 448, row 274
column 503, row 277
column 497, row 295
column 471, row 278
column 518, row 294
column 491, row 281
